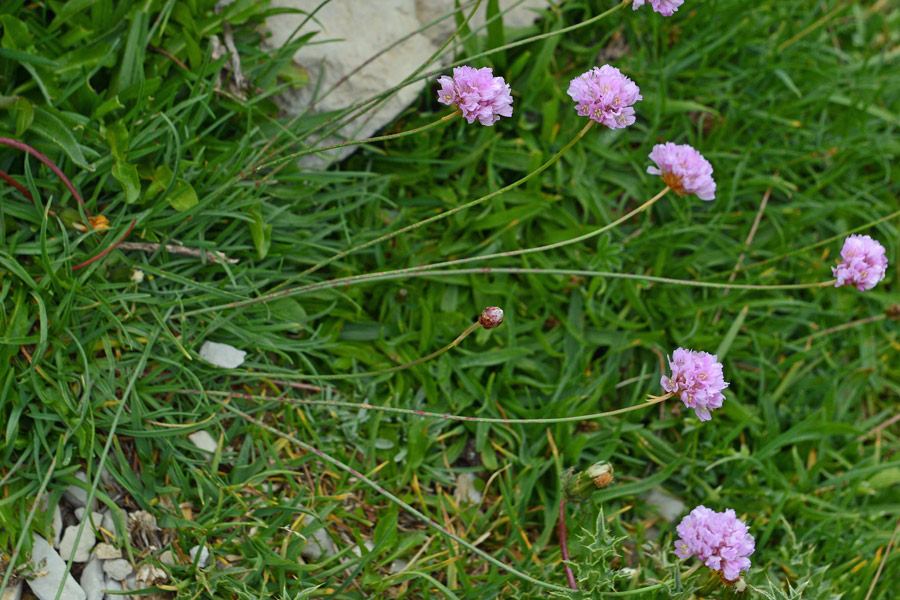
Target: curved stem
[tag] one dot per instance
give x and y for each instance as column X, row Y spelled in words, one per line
column 418, row 361
column 380, row 138
column 108, row 250
column 424, row 272
column 447, row 213
column 5, row 177
column 353, row 472
column 564, row 544
column 651, row 400
column 52, row 165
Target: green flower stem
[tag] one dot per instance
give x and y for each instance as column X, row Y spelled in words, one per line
column 353, row 472
column 447, row 213
column 423, row 271
column 421, row 413
column 418, row 361
column 380, row 138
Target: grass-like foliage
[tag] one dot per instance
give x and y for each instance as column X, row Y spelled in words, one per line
column 199, row 224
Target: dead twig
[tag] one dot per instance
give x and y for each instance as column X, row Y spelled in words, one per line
column 213, row 256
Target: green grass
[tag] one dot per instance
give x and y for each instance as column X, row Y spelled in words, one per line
column 794, row 101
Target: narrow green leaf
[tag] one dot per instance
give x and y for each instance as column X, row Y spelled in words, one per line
column 49, row 126
column 262, row 234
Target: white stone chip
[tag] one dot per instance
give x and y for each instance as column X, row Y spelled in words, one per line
column 96, row 519
column 13, row 592
column 57, row 525
column 106, row 551
column 118, row 568
column 203, row 560
column 68, row 549
column 222, row 355
column 318, row 543
column 167, row 558
column 204, row 441
column 92, row 579
column 51, row 565
column 668, row 506
column 76, row 495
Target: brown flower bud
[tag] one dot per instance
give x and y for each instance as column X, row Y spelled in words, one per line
column 491, row 317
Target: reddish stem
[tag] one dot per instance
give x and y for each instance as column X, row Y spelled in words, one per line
column 108, row 250
column 5, row 177
column 56, row 170
column 563, row 544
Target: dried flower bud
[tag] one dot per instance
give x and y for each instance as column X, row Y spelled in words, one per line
column 491, row 317
column 579, row 486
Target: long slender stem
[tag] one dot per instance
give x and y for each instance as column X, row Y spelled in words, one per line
column 348, row 469
column 447, row 213
column 418, row 361
column 112, row 247
column 564, row 543
column 52, row 165
column 421, row 413
column 424, row 272
column 379, row 138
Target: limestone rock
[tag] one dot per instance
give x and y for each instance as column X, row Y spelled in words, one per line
column 118, row 568
column 82, row 551
column 57, row 525
column 50, row 567
column 318, row 543
column 92, row 579
column 13, row 592
column 96, row 519
column 203, row 560
column 520, row 14
column 668, row 506
column 222, row 355
column 204, row 441
column 106, row 551
column 76, row 495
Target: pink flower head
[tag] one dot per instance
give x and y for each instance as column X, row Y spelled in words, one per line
column 477, row 93
column 719, row 539
column 683, row 169
column 666, row 8
column 697, row 379
column 606, row 96
column 863, row 263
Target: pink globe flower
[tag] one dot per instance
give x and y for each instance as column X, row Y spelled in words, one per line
column 477, row 93
column 719, row 539
column 684, row 170
column 697, row 379
column 666, row 8
column 606, row 96
column 863, row 263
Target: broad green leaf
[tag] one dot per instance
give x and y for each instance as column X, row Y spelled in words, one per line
column 51, row 127
column 24, row 112
column 182, row 197
column 15, row 33
column 116, row 135
column 127, row 175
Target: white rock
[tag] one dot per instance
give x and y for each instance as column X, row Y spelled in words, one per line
column 67, row 547
column 398, row 565
column 353, row 32
column 93, row 582
column 222, row 355
column 203, row 560
column 13, row 592
column 203, row 440
column 96, row 519
column 318, row 544
column 167, row 558
column 51, row 566
column 118, row 568
column 76, row 495
column 668, row 506
column 106, row 551
column 114, row 586
column 465, row 489
column 108, row 523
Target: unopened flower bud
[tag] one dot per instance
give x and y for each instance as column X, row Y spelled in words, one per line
column 579, row 486
column 491, row 317
column 137, row 276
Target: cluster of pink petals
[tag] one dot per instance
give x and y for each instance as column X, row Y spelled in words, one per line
column 684, row 170
column 606, row 96
column 477, row 93
column 666, row 8
column 697, row 379
column 863, row 263
column 719, row 539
